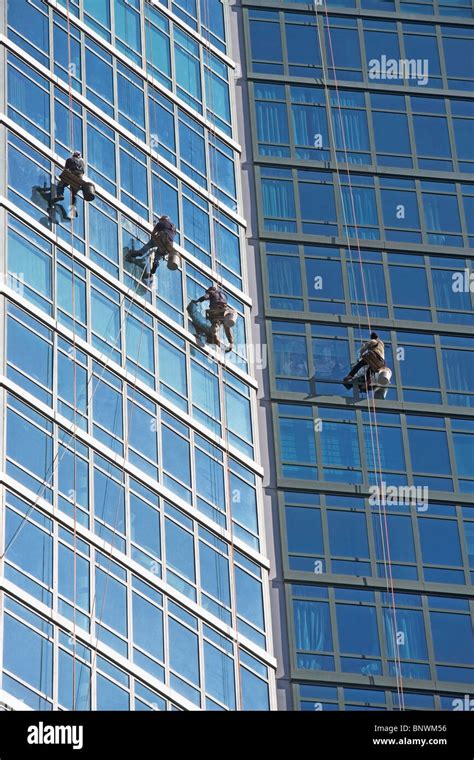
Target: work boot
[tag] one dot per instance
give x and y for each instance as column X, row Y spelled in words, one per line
column 229, row 348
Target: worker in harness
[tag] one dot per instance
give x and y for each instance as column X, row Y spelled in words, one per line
column 72, row 176
column 372, row 356
column 162, row 238
column 219, row 314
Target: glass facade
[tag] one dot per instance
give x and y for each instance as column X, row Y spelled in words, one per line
column 134, row 573
column 360, row 122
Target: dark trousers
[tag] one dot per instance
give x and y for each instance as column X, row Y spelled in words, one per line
column 61, row 186
column 361, row 363
column 144, row 250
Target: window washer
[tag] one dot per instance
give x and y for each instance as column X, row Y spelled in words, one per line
column 372, row 355
column 219, row 314
column 72, row 177
column 162, row 237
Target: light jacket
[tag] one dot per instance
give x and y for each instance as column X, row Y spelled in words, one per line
column 374, row 352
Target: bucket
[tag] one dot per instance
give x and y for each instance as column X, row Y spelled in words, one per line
column 173, row 261
column 230, row 318
column 383, row 376
column 88, row 191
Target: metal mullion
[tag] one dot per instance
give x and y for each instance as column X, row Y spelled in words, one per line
column 335, row 631
column 442, row 63
column 429, row 636
column 371, row 539
column 452, row 454
column 284, row 47
column 325, row 532
column 414, row 517
column 463, row 534
column 441, row 373
column 462, row 216
column 202, row 672
column 363, row 458
column 380, row 618
column 370, row 129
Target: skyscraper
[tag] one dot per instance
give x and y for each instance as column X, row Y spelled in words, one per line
column 358, row 122
column 134, row 573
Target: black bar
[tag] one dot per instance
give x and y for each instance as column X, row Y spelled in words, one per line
column 320, row 735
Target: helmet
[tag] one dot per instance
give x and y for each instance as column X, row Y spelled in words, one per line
column 77, row 153
column 211, row 289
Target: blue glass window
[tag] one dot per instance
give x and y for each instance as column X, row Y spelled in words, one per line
column 145, row 525
column 147, row 626
column 111, row 608
column 184, row 656
column 357, row 627
column 157, row 45
column 180, row 556
column 175, row 453
column 29, row 550
column 429, row 451
column 447, row 628
column 109, row 501
column 347, row 534
column 133, row 178
column 400, row 533
column 265, row 41
column 409, row 640
column 28, row 28
column 298, row 448
column 99, row 77
column 219, row 675
column 188, row 80
column 29, row 354
column 131, row 101
column 302, row 48
column 97, row 13
column 312, row 628
column 28, row 655
column 29, row 447
column 217, row 91
column 254, row 689
column 28, row 99
column 272, row 121
column 191, row 149
column 72, row 565
column 249, row 598
column 127, row 28
column 101, row 154
column 439, row 541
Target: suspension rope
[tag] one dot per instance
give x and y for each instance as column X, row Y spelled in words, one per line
column 216, row 230
column 73, row 285
column 370, row 402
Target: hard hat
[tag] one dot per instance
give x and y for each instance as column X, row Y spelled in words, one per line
column 77, row 153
